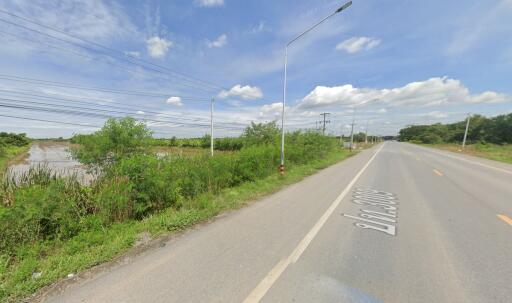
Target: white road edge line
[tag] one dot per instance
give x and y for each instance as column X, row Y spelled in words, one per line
column 466, row 160
column 259, row 292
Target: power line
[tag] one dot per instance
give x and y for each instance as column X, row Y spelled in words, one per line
column 189, row 85
column 99, row 115
column 94, row 89
column 106, row 107
column 43, row 120
column 123, row 55
column 64, row 123
column 88, row 57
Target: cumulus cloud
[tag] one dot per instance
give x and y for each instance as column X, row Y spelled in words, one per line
column 209, row 3
column 357, row 44
column 271, row 111
column 158, row 47
column 432, row 92
column 176, row 101
column 245, row 92
column 221, row 41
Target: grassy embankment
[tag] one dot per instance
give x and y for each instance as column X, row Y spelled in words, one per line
column 52, row 227
column 11, row 155
column 502, row 153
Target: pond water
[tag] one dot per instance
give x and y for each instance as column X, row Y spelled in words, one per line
column 54, row 155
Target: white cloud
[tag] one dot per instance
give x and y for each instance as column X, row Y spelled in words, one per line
column 309, row 114
column 176, row 101
column 261, row 27
column 140, row 112
column 432, row 92
column 271, row 111
column 357, row 44
column 92, row 19
column 209, row 3
column 435, row 115
column 221, row 41
column 158, row 47
column 132, row 54
column 473, row 30
column 245, row 92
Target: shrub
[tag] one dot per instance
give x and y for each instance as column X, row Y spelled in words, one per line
column 150, row 181
column 42, row 208
column 39, row 206
column 117, row 139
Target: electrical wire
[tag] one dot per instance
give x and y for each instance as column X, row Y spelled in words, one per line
column 123, row 55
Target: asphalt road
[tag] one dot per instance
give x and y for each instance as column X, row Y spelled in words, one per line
column 397, row 223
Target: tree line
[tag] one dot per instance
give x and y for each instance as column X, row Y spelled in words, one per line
column 497, row 130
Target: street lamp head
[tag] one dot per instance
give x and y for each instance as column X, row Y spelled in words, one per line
column 345, row 6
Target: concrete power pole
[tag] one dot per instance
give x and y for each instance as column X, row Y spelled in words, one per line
column 324, row 121
column 466, row 132
column 352, row 130
column 211, row 126
column 366, row 133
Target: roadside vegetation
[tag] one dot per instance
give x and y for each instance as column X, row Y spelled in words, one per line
column 11, row 146
column 487, row 137
column 52, row 226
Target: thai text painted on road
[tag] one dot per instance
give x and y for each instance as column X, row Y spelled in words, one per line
column 382, row 210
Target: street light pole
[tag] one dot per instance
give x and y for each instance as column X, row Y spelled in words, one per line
column 345, row 6
column 466, row 132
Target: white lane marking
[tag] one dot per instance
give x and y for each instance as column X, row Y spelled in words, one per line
column 469, row 161
column 259, row 292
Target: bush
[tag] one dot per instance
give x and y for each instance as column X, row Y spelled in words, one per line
column 39, row 206
column 14, row 139
column 430, row 139
column 150, row 183
column 42, row 207
column 116, row 139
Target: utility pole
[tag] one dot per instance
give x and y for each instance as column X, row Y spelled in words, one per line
column 341, row 135
column 324, row 121
column 366, row 133
column 211, row 126
column 466, row 132
column 352, row 130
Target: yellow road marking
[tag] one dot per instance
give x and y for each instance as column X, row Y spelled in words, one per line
column 506, row 219
column 438, row 173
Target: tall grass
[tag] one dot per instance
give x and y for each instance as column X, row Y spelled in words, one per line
column 40, row 211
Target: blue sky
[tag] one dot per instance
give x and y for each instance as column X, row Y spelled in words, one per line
column 394, row 63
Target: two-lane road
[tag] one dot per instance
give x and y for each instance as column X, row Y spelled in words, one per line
column 397, row 223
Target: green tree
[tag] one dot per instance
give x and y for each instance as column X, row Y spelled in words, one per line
column 261, row 133
column 116, row 139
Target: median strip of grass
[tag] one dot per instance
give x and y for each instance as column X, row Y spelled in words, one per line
column 502, row 153
column 44, row 262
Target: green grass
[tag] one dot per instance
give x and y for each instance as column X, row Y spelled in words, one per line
column 502, row 153
column 10, row 153
column 56, row 259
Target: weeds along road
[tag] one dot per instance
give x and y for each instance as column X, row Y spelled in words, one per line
column 397, row 223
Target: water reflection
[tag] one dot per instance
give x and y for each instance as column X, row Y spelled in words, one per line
column 54, row 155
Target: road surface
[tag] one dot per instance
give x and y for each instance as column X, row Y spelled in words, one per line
column 396, row 223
